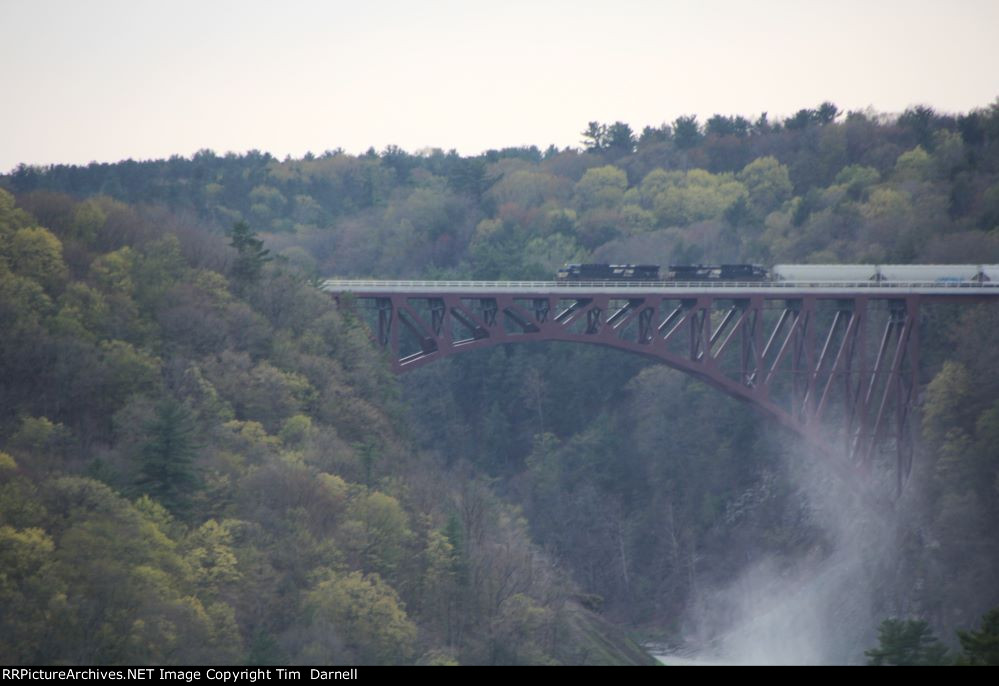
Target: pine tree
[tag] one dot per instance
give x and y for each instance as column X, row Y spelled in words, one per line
column 251, row 254
column 906, row 642
column 167, row 457
column 982, row 647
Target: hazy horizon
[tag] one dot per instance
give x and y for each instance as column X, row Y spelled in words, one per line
column 113, row 80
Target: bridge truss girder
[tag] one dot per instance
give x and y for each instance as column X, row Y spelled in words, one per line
column 834, row 368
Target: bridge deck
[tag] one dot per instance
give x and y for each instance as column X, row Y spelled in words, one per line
column 846, row 289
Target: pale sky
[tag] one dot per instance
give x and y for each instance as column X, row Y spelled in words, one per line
column 105, row 80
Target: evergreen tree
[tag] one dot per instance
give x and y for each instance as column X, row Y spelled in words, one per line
column 251, row 254
column 167, row 458
column 620, row 139
column 906, row 642
column 827, row 113
column 982, row 647
column 595, row 137
column 686, row 131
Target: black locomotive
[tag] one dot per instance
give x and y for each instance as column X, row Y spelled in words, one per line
column 608, row 272
column 651, row 272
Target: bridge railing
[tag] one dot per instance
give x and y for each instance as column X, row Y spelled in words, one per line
column 347, row 284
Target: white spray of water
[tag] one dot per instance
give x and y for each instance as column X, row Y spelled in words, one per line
column 819, row 610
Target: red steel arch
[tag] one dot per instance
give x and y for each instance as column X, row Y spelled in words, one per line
column 837, row 366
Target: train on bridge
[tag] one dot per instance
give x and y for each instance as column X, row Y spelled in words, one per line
column 829, row 351
column 797, row 273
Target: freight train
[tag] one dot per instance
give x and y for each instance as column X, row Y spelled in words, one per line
column 799, row 273
column 652, row 272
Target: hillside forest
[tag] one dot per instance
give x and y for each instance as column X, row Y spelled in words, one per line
column 202, row 459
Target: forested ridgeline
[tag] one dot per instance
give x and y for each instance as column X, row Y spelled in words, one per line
column 138, row 331
column 819, row 186
column 202, row 461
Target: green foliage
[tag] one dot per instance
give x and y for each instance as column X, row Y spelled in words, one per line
column 210, row 553
column 25, row 578
column 166, row 459
column 688, row 197
column 620, row 139
column 376, row 532
column 914, row 165
column 296, row 430
column 23, row 303
column 89, row 219
column 686, row 131
column 595, row 136
column 945, row 409
column 519, row 631
column 768, row 184
column 113, row 271
column 259, row 392
column 981, row 647
column 234, row 419
column 110, row 580
column 127, row 370
column 441, row 591
column 990, row 211
column 906, row 642
column 12, row 217
column 250, row 254
column 919, row 120
column 35, row 253
column 40, row 443
column 83, row 312
column 719, row 125
column 529, row 188
column 544, row 256
column 364, row 615
column 601, row 187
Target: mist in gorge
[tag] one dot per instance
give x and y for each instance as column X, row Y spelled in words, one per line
column 820, row 608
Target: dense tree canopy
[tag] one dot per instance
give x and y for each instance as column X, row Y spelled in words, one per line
column 178, row 398
column 201, row 465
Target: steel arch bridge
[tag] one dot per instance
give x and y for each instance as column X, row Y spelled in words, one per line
column 835, row 362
